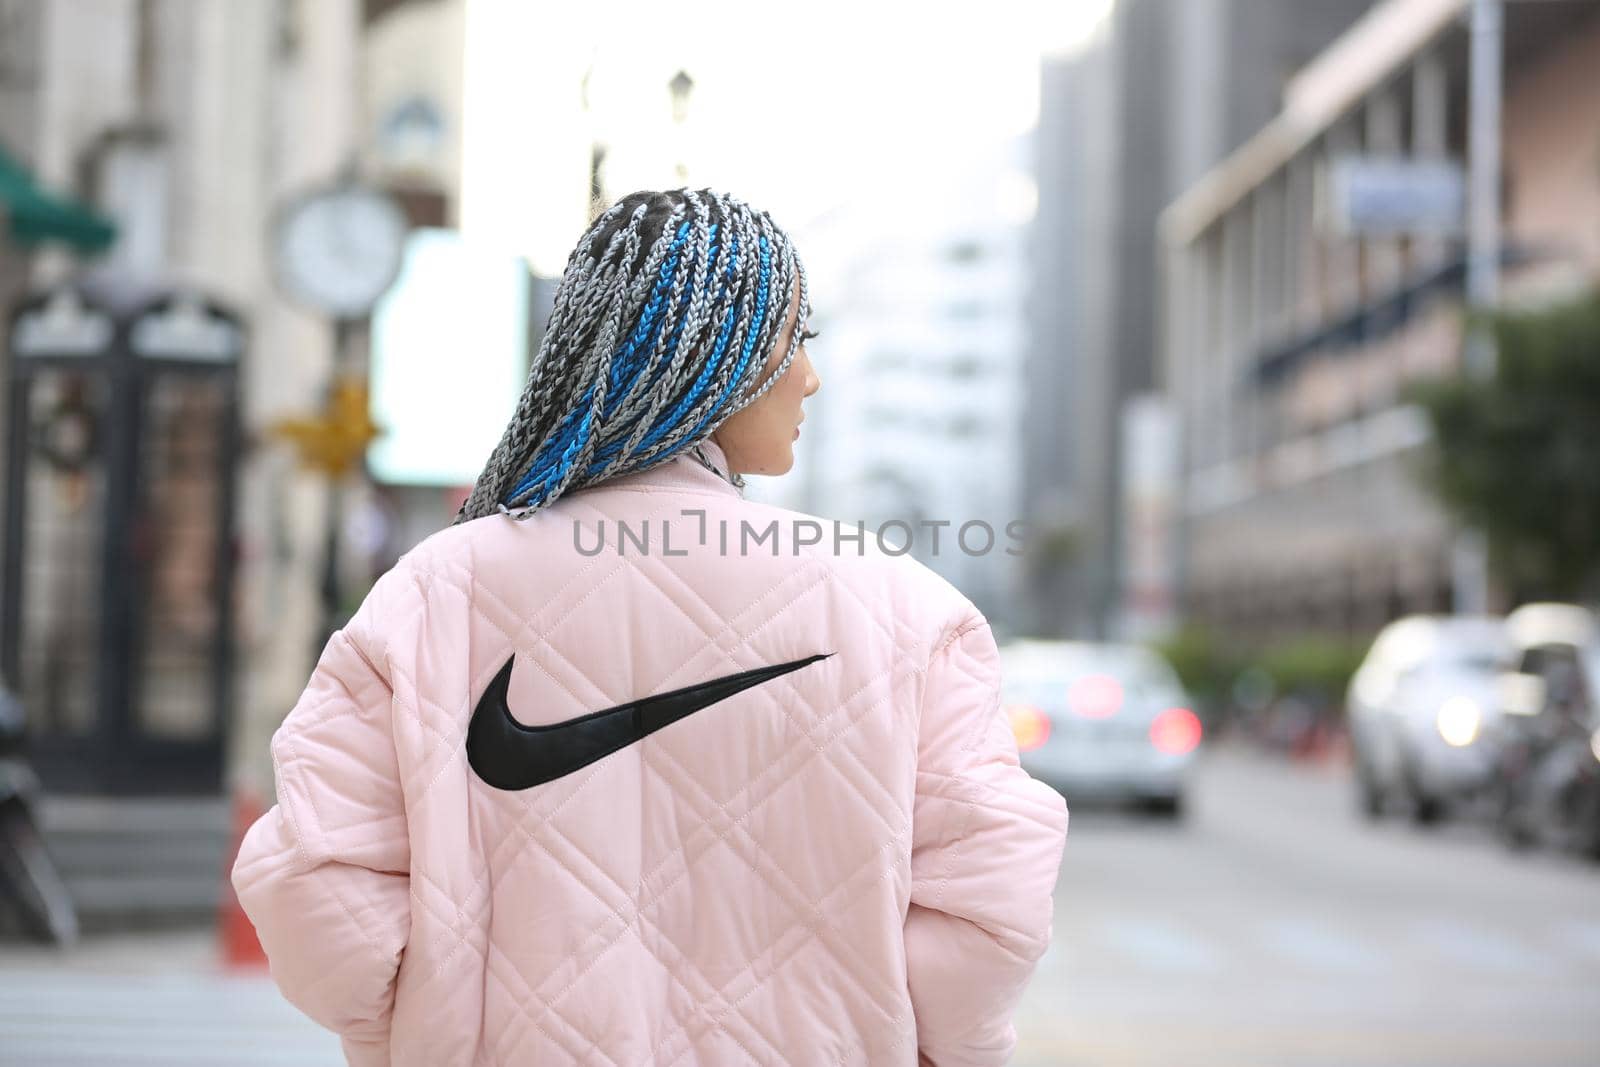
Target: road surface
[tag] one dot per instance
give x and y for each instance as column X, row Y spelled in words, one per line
column 1276, row 927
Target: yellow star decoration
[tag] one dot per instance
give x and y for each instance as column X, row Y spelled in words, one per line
column 334, row 441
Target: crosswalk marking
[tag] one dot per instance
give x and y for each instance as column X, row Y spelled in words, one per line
column 1161, row 945
column 1311, row 943
column 1581, row 937
column 53, row 1019
column 1477, row 946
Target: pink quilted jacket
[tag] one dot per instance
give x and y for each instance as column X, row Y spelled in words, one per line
column 493, row 844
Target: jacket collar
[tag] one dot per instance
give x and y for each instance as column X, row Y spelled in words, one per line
column 685, row 471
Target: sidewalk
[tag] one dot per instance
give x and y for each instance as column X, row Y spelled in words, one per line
column 154, row 1000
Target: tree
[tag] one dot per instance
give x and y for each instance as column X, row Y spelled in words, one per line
column 1518, row 455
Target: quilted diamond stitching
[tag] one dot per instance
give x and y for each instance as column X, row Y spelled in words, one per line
column 593, row 951
column 714, row 640
column 627, row 925
column 792, row 886
column 476, row 899
column 751, row 634
column 450, row 929
column 807, row 932
column 543, row 644
column 770, row 793
column 454, row 741
column 372, row 939
column 783, row 695
column 518, row 635
column 526, row 993
column 675, row 968
column 790, row 891
column 709, row 994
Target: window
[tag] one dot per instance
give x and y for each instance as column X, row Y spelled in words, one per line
column 964, row 252
column 966, row 367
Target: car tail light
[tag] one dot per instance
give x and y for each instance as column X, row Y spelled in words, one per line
column 1029, row 725
column 1095, row 696
column 1175, row 731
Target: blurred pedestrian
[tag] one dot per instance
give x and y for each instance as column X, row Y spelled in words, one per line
column 559, row 796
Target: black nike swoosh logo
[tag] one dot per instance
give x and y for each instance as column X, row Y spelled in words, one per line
column 508, row 755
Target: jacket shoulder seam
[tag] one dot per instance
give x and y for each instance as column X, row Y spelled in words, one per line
column 955, row 635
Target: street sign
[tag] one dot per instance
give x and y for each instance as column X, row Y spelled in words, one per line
column 333, row 442
column 1365, row 196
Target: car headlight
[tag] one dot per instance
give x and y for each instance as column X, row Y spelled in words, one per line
column 1458, row 721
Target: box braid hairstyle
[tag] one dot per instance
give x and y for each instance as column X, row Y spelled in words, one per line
column 669, row 307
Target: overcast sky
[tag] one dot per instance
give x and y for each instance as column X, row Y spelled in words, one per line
column 794, row 107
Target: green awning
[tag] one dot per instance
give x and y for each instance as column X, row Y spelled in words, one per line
column 29, row 214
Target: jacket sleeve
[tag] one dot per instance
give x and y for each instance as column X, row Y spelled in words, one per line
column 324, row 875
column 986, row 848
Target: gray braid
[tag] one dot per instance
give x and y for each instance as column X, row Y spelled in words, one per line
column 658, row 287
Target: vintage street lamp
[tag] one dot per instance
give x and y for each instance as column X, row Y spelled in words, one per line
column 680, row 87
column 337, row 250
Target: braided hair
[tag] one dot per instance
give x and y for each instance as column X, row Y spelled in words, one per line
column 669, row 307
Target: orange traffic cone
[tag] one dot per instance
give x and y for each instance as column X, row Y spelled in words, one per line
column 241, row 949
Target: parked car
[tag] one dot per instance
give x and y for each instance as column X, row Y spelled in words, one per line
column 1423, row 708
column 1548, row 774
column 1101, row 721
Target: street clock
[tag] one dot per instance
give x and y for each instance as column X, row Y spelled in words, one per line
column 338, row 249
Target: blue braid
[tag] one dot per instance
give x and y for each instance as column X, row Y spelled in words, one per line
column 672, row 343
column 673, row 417
column 605, row 454
column 749, row 341
column 628, row 360
column 543, row 458
column 571, row 451
column 555, row 456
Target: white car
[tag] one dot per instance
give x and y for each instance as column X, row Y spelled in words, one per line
column 1101, row 721
column 1423, row 708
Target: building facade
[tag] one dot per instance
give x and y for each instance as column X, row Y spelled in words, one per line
column 1289, row 336
column 1165, row 90
column 919, row 298
column 189, row 125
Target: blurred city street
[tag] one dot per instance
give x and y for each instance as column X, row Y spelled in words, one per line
column 1273, row 927
column 1276, row 927
column 1234, row 360
column 158, row 998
